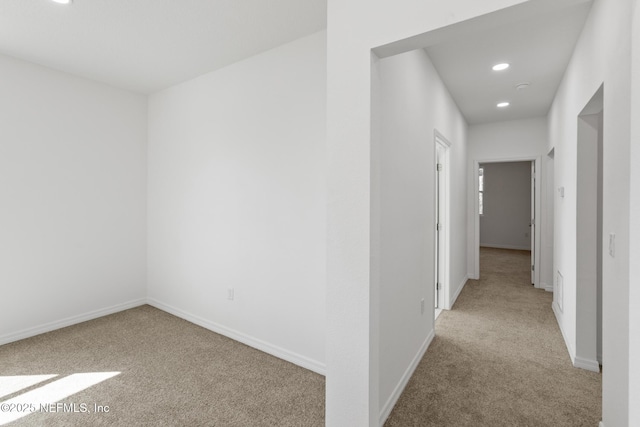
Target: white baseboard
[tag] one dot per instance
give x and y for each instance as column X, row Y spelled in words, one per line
column 517, row 248
column 588, row 364
column 578, row 362
column 397, row 391
column 456, row 294
column 276, row 351
column 557, row 313
column 279, row 352
column 546, row 287
column 58, row 324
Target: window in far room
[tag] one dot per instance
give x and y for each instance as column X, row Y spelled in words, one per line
column 480, row 190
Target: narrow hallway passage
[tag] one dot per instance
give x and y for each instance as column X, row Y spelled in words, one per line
column 498, row 359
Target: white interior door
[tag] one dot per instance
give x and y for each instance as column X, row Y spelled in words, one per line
column 440, row 219
column 436, row 286
column 533, row 221
column 441, row 215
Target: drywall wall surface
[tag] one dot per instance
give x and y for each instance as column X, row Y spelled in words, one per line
column 237, row 200
column 73, row 203
column 354, row 27
column 602, row 55
column 414, row 103
column 512, row 139
column 507, row 206
column 634, row 224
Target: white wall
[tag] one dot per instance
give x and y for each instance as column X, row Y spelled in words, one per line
column 73, row 210
column 354, row 28
column 634, row 227
column 237, row 200
column 507, row 206
column 414, row 103
column 512, row 140
column 601, row 55
column 508, row 140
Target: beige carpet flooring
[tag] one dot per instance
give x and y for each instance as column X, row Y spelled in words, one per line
column 173, row 373
column 498, row 359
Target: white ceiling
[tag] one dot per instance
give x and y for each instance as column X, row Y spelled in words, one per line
column 148, row 45
column 538, row 49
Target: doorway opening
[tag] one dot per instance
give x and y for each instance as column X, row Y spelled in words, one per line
column 589, row 238
column 507, row 208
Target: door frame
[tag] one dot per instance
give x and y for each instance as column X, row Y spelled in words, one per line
column 442, row 247
column 476, row 210
column 589, row 234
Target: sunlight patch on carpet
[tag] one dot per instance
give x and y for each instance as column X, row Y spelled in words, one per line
column 41, row 398
column 12, row 384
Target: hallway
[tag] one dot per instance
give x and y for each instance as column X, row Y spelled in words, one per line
column 498, row 359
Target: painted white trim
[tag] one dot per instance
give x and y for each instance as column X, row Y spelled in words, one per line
column 557, row 311
column 444, row 205
column 69, row 321
column 546, row 287
column 588, row 364
column 443, row 139
column 397, row 391
column 515, row 248
column 476, row 217
column 456, row 294
column 279, row 352
column 576, row 361
column 276, row 351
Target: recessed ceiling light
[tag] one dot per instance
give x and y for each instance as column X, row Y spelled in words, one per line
column 501, row 66
column 62, row 1
column 502, row 104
